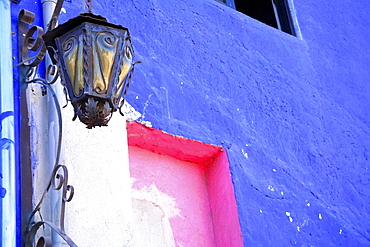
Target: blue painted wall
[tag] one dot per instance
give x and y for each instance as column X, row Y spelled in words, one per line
column 293, row 113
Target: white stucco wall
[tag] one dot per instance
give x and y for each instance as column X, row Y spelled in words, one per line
column 101, row 210
column 100, row 213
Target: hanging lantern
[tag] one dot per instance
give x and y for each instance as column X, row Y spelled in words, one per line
column 95, row 63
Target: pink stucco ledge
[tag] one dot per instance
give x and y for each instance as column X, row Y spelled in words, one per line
column 212, row 161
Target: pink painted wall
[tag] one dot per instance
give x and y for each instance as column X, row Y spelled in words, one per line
column 182, row 181
column 222, row 203
column 196, row 176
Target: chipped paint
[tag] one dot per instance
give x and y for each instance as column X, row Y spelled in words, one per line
column 153, row 194
column 130, row 113
column 245, row 154
column 289, row 217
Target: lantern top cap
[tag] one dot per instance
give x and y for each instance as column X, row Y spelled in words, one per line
column 78, row 20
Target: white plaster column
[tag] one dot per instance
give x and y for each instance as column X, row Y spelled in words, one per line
column 101, row 210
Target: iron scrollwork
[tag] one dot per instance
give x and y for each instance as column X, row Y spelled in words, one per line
column 32, row 47
column 32, row 52
column 58, row 181
column 30, row 40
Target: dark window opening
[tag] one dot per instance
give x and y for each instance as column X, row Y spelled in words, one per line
column 274, row 13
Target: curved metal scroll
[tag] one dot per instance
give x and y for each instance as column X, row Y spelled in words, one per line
column 57, row 181
column 67, row 194
column 31, row 42
column 30, row 39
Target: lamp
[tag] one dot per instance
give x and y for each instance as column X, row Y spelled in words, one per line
column 94, row 59
column 95, row 63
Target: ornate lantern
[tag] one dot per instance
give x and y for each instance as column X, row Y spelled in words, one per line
column 95, row 63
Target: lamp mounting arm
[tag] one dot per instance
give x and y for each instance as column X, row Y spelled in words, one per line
column 54, row 18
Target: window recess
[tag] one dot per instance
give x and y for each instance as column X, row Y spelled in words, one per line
column 274, row 13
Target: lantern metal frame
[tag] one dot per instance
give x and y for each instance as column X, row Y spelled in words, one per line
column 93, row 105
column 95, row 63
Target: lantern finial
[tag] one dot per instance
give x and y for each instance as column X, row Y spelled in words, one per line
column 89, row 5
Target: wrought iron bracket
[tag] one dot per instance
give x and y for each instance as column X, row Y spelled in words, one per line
column 32, row 51
column 30, row 40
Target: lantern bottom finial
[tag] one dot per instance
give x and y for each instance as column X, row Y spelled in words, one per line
column 93, row 112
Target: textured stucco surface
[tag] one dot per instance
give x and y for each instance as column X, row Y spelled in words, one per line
column 100, row 213
column 292, row 113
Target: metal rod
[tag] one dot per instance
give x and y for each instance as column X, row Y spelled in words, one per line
column 89, row 5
